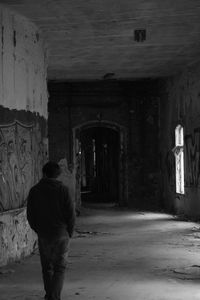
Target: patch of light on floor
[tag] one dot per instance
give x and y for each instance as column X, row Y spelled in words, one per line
column 145, row 290
column 148, row 216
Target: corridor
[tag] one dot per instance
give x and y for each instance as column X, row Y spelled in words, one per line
column 119, row 255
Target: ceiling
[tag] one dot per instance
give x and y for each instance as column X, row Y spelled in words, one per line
column 90, row 38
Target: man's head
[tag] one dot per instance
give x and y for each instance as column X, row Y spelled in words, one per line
column 51, row 170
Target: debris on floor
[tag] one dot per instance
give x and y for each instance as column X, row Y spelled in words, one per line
column 188, row 273
column 119, row 255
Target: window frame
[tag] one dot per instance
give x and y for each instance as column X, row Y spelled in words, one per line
column 178, row 151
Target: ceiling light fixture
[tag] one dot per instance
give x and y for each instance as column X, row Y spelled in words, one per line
column 140, row 35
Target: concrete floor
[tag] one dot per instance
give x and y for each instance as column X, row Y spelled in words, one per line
column 119, row 256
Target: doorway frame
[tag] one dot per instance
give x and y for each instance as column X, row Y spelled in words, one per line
column 123, row 162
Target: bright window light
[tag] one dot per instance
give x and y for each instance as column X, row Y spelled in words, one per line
column 179, row 159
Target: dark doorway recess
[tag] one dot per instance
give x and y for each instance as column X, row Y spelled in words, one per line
column 100, row 164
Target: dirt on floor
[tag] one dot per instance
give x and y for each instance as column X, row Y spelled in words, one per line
column 119, row 255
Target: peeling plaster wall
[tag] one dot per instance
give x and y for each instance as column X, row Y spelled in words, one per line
column 23, row 128
column 23, row 62
column 16, row 238
column 180, row 104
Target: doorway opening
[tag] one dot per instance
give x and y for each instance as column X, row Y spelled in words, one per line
column 99, row 151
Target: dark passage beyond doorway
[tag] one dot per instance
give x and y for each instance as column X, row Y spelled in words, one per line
column 99, row 164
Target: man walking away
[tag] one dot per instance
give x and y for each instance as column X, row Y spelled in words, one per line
column 51, row 214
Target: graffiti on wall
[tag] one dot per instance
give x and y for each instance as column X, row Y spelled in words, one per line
column 192, row 148
column 192, row 160
column 22, row 155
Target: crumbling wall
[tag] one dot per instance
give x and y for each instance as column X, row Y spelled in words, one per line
column 180, row 104
column 23, row 62
column 122, row 104
column 23, row 128
column 16, row 238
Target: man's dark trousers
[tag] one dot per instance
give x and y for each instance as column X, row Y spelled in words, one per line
column 53, row 255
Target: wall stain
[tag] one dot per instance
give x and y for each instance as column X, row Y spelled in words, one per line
column 16, row 237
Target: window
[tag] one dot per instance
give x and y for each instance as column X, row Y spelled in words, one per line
column 179, row 159
column 94, row 157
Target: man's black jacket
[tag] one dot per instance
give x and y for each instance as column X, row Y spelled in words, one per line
column 50, row 210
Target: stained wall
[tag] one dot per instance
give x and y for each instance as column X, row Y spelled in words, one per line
column 180, row 104
column 23, row 62
column 23, row 128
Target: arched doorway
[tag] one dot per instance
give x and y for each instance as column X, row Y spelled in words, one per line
column 100, row 156
column 100, row 164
